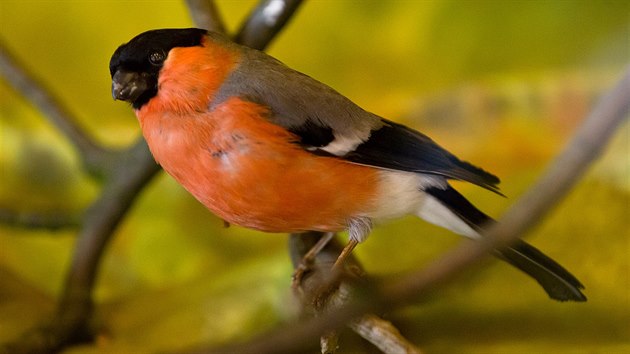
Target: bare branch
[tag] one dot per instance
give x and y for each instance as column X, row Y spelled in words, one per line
column 101, row 220
column 205, row 14
column 52, row 221
column 329, row 342
column 383, row 335
column 317, row 280
column 71, row 322
column 379, row 332
column 95, row 158
column 264, row 23
column 587, row 144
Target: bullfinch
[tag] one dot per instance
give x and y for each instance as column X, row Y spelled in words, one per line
column 266, row 147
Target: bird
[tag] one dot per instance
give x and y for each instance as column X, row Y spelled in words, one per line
column 269, row 148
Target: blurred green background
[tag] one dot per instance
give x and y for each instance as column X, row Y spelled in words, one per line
column 500, row 83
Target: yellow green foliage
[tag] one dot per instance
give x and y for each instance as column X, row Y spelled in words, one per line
column 500, row 83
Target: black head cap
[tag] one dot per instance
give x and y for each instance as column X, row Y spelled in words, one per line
column 134, row 67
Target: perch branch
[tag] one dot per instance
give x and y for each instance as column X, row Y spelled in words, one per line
column 379, row 332
column 383, row 335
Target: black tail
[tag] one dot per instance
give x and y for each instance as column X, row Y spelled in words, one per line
column 558, row 282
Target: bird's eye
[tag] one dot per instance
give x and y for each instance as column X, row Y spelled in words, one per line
column 157, row 57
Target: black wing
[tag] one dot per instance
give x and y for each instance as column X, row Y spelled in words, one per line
column 396, row 147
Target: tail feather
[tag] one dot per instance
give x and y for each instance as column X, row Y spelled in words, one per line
column 555, row 280
column 558, row 282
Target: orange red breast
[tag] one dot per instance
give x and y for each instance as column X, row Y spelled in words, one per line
column 241, row 166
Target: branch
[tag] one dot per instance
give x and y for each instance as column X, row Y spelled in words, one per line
column 265, row 21
column 129, row 174
column 71, row 322
column 205, row 14
column 383, row 335
column 95, row 158
column 587, row 144
column 379, row 332
column 129, row 177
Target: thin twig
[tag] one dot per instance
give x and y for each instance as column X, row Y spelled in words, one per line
column 96, row 159
column 586, row 145
column 329, row 342
column 384, row 335
column 205, row 14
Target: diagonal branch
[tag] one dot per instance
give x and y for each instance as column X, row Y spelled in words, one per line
column 130, row 176
column 265, row 21
column 95, row 158
column 205, row 14
column 70, row 324
column 567, row 169
column 381, row 333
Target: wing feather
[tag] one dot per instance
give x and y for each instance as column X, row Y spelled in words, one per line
column 328, row 123
column 395, row 146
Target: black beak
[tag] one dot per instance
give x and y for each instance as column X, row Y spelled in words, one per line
column 128, row 86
